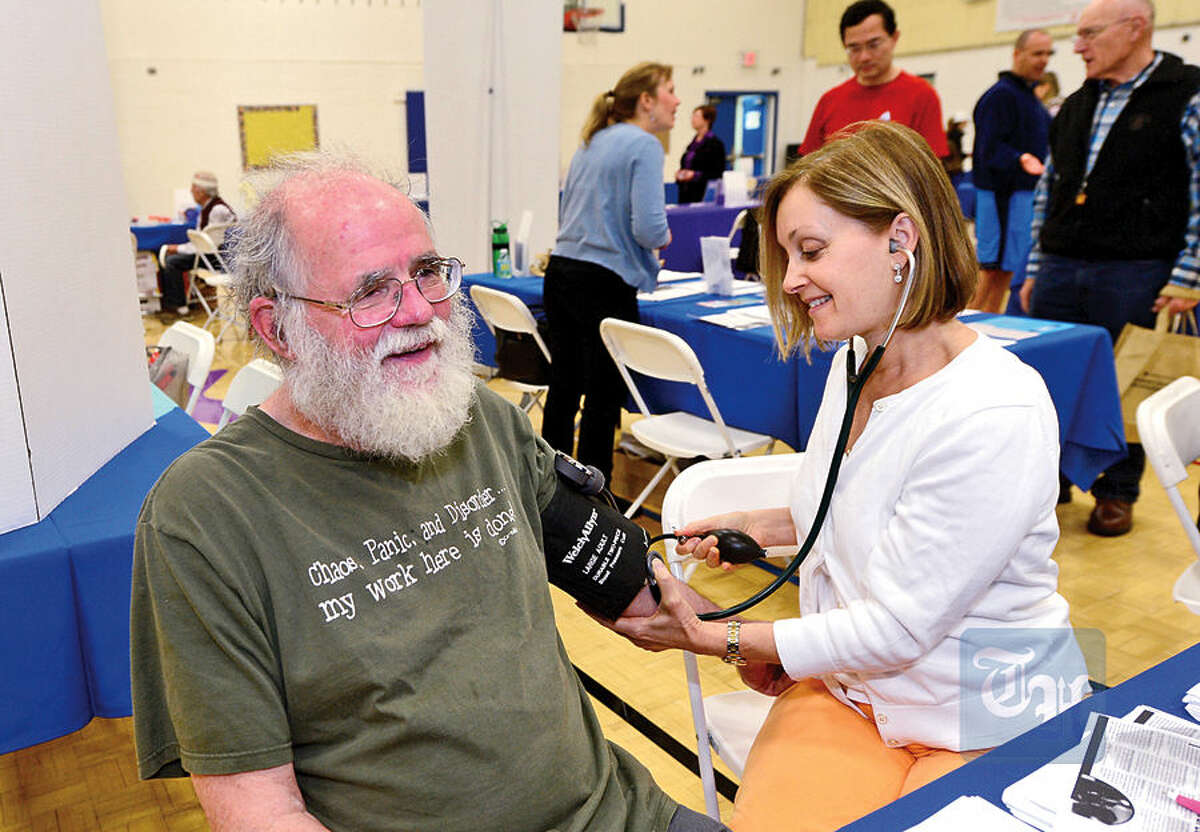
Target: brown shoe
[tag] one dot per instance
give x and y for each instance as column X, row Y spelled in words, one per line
column 1111, row 517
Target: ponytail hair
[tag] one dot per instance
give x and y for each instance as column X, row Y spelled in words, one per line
column 620, row 103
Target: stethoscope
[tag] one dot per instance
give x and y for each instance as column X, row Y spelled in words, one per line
column 737, row 546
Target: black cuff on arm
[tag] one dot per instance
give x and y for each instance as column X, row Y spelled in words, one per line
column 593, row 553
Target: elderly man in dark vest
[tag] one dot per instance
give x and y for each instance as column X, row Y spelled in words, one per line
column 1116, row 221
column 180, row 258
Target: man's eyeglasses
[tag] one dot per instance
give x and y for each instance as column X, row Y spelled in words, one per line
column 873, row 45
column 377, row 302
column 1090, row 33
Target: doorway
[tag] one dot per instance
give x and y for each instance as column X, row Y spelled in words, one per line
column 746, row 122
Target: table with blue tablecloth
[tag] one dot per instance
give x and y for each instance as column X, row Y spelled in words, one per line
column 688, row 224
column 155, row 236
column 64, row 594
column 757, row 391
column 1160, row 687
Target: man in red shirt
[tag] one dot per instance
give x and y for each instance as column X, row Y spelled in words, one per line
column 879, row 89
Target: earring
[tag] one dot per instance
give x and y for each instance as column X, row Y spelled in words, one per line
column 896, row 276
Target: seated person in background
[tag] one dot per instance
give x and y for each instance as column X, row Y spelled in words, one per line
column 181, row 257
column 932, row 577
column 746, row 261
column 704, row 159
column 340, row 617
column 954, row 139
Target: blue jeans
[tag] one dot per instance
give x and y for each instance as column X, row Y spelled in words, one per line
column 1108, row 294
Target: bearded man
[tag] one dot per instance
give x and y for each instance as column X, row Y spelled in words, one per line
column 340, row 614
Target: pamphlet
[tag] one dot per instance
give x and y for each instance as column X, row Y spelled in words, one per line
column 1130, row 775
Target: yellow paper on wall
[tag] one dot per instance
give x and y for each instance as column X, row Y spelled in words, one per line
column 270, row 131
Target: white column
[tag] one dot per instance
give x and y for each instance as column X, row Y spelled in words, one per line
column 492, row 89
column 73, row 382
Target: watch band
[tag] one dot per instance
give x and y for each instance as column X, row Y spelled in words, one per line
column 733, row 644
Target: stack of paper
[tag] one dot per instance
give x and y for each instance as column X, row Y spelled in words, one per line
column 747, row 317
column 668, row 276
column 1126, row 771
column 674, row 291
column 1191, row 701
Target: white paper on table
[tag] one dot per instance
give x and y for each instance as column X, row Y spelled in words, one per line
column 718, row 270
column 1129, row 776
column 673, row 292
column 668, row 276
column 746, row 317
column 1002, row 333
column 970, row 812
column 747, row 287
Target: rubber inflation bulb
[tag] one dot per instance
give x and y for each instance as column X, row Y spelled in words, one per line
column 736, row 546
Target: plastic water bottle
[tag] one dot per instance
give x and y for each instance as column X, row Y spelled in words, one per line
column 501, row 258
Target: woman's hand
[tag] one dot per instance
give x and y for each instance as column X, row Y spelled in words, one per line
column 674, row 623
column 768, row 527
column 685, row 175
column 766, row 677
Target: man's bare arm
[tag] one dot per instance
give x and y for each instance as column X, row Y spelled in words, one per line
column 268, row 800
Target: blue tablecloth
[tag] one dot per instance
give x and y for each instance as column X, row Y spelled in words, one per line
column 757, row 391
column 154, row 237
column 64, row 595
column 688, row 224
column 1161, row 687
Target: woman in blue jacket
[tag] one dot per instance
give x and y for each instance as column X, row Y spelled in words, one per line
column 612, row 219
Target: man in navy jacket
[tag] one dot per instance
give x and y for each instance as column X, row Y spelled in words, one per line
column 1011, row 129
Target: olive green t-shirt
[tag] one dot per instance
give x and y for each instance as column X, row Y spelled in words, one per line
column 387, row 628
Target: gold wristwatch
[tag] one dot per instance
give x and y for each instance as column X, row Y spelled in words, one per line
column 733, row 644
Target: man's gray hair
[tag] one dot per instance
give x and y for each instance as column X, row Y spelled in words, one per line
column 266, row 257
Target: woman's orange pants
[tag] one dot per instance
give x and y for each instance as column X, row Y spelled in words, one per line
column 817, row 765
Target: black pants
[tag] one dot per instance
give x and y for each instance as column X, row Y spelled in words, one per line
column 170, row 279
column 577, row 296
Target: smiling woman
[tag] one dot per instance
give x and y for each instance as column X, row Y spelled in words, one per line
column 861, row 184
column 941, row 523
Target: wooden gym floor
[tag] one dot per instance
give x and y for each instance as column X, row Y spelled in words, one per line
column 1119, row 586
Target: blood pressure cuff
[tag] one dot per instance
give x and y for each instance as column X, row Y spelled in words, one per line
column 593, row 553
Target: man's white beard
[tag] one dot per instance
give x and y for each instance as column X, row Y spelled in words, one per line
column 402, row 416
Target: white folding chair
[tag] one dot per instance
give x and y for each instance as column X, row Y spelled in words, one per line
column 661, row 354
column 1168, row 424
column 739, row 222
column 728, row 722
column 253, row 383
column 215, row 273
column 198, row 345
column 501, row 310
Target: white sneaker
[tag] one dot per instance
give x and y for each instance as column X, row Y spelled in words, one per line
column 183, row 310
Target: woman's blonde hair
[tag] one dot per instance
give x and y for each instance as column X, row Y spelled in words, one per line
column 620, row 103
column 874, row 171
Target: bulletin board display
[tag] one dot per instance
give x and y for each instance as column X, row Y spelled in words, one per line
column 942, row 25
column 269, row 131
